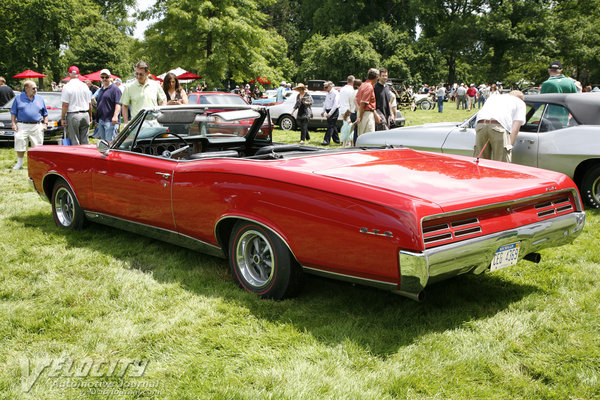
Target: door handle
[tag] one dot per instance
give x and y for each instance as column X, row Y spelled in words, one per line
column 163, row 174
column 530, row 141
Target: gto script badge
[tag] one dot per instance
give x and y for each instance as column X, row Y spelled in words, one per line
column 376, row 232
column 551, row 188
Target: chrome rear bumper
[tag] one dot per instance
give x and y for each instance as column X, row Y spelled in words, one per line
column 417, row 270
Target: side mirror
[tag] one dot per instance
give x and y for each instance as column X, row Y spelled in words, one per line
column 103, row 147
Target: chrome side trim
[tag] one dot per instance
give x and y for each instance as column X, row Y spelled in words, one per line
column 417, row 270
column 156, row 233
column 354, row 279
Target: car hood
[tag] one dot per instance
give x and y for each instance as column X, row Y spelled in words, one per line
column 452, row 182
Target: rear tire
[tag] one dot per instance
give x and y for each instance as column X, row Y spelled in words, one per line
column 425, row 105
column 261, row 263
column 65, row 208
column 590, row 186
column 287, row 123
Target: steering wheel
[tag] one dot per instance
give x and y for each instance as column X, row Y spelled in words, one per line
column 167, row 153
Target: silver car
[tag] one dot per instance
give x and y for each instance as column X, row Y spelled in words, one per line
column 562, row 133
column 281, row 114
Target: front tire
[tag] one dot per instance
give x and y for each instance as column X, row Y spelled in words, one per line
column 590, row 186
column 261, row 263
column 65, row 208
column 287, row 123
column 425, row 105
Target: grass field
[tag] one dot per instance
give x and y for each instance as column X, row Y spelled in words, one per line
column 105, row 314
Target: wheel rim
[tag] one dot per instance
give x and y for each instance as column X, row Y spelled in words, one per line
column 64, row 206
column 425, row 105
column 254, row 257
column 286, row 124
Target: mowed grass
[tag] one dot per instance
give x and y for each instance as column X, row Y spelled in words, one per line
column 527, row 332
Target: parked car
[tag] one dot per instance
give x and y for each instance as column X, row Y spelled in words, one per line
column 425, row 101
column 281, row 113
column 402, row 219
column 216, row 98
column 225, row 98
column 270, row 97
column 54, row 129
column 562, row 133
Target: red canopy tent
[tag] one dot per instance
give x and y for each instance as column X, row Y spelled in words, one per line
column 156, row 78
column 189, row 75
column 95, row 76
column 29, row 74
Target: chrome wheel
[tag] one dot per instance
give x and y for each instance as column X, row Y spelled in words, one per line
column 254, row 257
column 64, row 206
column 590, row 186
column 287, row 123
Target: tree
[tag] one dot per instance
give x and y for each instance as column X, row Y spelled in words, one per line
column 218, row 39
column 336, row 57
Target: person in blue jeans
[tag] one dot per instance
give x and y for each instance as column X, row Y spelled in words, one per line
column 441, row 96
column 108, row 115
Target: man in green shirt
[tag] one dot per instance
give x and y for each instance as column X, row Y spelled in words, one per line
column 557, row 82
column 143, row 93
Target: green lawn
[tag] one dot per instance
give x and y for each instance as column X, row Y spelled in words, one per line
column 86, row 304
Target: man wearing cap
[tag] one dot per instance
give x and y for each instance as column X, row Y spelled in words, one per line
column 119, row 84
column 141, row 93
column 107, row 99
column 471, row 96
column 29, row 118
column 557, row 82
column 76, row 108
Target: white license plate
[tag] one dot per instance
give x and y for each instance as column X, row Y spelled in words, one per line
column 506, row 256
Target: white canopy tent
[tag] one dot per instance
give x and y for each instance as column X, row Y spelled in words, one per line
column 177, row 71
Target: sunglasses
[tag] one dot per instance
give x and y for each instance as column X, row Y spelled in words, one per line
column 104, row 77
column 140, row 74
column 33, row 88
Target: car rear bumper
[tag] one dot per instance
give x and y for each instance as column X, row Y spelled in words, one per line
column 417, row 270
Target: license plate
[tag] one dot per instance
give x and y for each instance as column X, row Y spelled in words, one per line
column 506, row 256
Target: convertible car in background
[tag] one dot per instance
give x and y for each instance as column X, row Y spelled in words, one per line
column 562, row 133
column 397, row 219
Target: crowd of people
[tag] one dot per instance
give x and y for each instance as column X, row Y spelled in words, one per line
column 364, row 106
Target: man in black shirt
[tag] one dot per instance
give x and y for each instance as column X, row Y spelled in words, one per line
column 6, row 93
column 382, row 100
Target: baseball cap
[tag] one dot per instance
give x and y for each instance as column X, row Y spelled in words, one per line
column 105, row 72
column 118, row 80
column 73, row 69
column 555, row 65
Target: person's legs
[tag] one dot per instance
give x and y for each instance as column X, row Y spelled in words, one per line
column 482, row 141
column 84, row 128
column 72, row 128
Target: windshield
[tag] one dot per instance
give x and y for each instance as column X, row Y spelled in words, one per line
column 189, row 124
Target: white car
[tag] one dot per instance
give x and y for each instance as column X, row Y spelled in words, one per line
column 281, row 113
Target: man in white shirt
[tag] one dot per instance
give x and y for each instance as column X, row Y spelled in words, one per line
column 331, row 107
column 345, row 94
column 498, row 124
column 76, row 108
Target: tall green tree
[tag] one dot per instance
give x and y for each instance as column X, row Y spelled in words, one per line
column 217, row 38
column 336, row 57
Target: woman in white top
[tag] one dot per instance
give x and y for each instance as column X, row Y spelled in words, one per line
column 353, row 108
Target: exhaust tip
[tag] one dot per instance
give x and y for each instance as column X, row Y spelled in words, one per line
column 533, row 257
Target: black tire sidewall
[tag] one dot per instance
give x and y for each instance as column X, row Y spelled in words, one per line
column 78, row 217
column 282, row 263
column 587, row 186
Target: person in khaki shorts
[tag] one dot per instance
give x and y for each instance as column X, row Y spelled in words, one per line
column 29, row 118
column 498, row 124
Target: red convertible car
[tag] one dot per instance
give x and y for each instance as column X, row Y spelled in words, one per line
column 397, row 219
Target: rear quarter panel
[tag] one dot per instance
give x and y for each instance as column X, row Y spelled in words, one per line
column 563, row 150
column 321, row 226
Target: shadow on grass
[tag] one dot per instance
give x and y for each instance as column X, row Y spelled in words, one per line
column 331, row 311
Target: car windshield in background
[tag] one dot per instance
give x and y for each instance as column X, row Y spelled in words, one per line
column 222, row 99
column 51, row 99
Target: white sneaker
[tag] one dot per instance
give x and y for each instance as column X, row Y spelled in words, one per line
column 302, row 142
column 17, row 166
